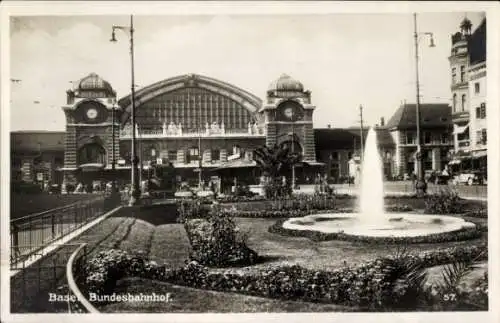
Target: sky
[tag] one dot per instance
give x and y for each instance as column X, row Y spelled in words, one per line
column 345, row 60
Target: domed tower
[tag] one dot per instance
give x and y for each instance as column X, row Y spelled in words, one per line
column 459, row 64
column 287, row 116
column 92, row 129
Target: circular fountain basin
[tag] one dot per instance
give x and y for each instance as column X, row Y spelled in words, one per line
column 393, row 225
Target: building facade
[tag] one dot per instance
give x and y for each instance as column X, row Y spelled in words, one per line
column 208, row 130
column 459, row 63
column 37, row 157
column 340, row 147
column 468, row 90
column 477, row 91
column 195, row 123
column 436, row 142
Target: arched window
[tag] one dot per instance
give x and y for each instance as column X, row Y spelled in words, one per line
column 92, row 153
column 464, row 101
column 455, row 102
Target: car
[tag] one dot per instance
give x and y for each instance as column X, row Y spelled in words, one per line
column 436, row 177
column 469, row 178
column 54, row 189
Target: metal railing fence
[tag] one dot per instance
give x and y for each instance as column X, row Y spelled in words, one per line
column 32, row 233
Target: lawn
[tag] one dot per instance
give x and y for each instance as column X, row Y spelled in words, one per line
column 189, row 300
column 160, row 238
column 281, row 250
column 26, row 204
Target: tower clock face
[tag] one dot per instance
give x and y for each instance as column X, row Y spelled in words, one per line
column 290, row 111
column 91, row 112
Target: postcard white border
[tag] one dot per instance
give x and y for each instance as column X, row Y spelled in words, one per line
column 262, row 8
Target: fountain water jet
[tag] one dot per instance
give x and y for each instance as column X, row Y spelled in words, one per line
column 371, row 198
column 372, row 220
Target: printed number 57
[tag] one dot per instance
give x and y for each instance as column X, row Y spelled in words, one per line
column 449, row 297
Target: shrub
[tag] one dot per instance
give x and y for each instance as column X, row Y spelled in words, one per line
column 217, row 241
column 304, row 202
column 452, row 294
column 235, row 199
column 191, row 209
column 105, row 269
column 274, row 189
column 444, row 202
column 398, row 208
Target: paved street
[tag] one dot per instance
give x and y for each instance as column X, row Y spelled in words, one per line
column 464, row 191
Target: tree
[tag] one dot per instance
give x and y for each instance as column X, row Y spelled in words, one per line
column 275, row 163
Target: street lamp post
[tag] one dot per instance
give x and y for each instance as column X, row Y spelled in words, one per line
column 200, row 161
column 293, row 151
column 420, row 184
column 135, row 192
column 113, row 157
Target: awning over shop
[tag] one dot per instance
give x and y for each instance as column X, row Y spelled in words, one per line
column 460, row 129
column 479, row 154
column 236, row 164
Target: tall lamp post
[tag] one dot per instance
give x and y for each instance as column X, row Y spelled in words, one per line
column 135, row 192
column 294, row 180
column 200, row 161
column 113, row 157
column 420, row 184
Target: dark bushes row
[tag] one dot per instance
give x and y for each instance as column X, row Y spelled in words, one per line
column 390, row 283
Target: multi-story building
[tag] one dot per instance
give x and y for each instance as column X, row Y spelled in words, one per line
column 477, row 91
column 196, row 123
column 468, row 92
column 435, row 127
column 192, row 122
column 459, row 63
column 337, row 147
column 37, row 156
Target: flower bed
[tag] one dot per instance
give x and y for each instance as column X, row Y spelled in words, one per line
column 383, row 284
column 459, row 235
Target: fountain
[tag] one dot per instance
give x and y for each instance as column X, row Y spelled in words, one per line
column 372, row 220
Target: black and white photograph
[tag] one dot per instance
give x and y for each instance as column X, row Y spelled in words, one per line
column 259, row 158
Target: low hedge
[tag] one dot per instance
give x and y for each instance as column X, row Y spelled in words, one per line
column 459, row 235
column 382, row 284
column 301, row 213
column 236, row 199
column 477, row 214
